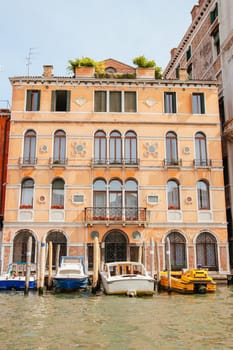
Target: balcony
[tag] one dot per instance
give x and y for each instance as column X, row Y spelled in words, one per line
column 58, row 162
column 172, row 163
column 116, row 163
column 202, row 163
column 115, row 215
column 27, row 161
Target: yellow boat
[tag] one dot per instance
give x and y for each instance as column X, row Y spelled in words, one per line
column 187, row 281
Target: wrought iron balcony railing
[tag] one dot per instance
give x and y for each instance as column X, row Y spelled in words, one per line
column 116, row 162
column 115, row 214
column 27, row 161
column 172, row 162
column 58, row 162
column 202, row 163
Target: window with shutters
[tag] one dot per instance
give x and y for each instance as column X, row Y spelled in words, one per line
column 33, row 100
column 60, row 101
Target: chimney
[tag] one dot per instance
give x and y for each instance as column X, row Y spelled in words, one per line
column 48, row 71
column 183, row 75
column 194, row 11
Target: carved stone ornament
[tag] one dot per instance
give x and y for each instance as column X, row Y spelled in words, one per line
column 80, row 101
column 79, row 148
column 44, row 148
column 150, row 102
column 151, row 149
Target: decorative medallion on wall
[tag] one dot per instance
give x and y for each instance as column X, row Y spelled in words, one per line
column 150, row 102
column 80, row 101
column 44, row 148
column 94, row 234
column 151, row 149
column 136, row 235
column 79, row 148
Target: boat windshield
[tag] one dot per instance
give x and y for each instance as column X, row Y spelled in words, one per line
column 69, row 271
column 126, row 269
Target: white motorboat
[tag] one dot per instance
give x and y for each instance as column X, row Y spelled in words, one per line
column 126, row 277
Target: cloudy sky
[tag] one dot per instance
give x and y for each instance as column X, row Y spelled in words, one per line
column 53, row 31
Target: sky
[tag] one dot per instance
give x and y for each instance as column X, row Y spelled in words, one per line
column 51, row 32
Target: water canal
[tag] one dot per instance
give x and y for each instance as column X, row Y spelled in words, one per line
column 83, row 321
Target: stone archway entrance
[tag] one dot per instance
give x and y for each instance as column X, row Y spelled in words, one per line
column 20, row 247
column 58, row 239
column 116, row 244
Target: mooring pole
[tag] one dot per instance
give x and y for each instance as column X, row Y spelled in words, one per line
column 152, row 257
column 96, row 264
column 28, row 265
column 158, row 264
column 144, row 254
column 42, row 267
column 168, row 252
column 38, row 266
column 57, row 256
column 50, row 272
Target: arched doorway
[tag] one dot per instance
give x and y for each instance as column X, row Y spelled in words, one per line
column 206, row 246
column 20, row 246
column 58, row 239
column 116, row 244
column 177, row 251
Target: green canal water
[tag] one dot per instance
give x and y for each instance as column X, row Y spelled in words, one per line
column 84, row 321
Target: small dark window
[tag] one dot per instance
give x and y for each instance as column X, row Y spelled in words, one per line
column 198, row 103
column 100, row 101
column 190, row 71
column 170, row 102
column 216, row 40
column 188, row 53
column 60, row 101
column 33, row 100
column 214, row 14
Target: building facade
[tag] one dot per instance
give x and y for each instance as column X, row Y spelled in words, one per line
column 4, row 138
column 206, row 51
column 122, row 157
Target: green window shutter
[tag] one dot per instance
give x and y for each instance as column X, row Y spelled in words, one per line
column 174, row 102
column 38, row 101
column 53, row 101
column 68, row 94
column 29, row 100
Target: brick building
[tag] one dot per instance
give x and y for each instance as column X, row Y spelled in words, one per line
column 206, row 52
column 121, row 156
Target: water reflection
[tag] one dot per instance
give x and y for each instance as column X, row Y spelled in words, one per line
column 84, row 321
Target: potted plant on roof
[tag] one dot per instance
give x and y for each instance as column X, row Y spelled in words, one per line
column 147, row 68
column 82, row 67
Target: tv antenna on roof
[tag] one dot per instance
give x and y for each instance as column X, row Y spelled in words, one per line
column 29, row 59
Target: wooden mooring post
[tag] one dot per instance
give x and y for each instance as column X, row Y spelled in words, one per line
column 96, row 266
column 58, row 248
column 50, row 270
column 168, row 259
column 42, row 267
column 28, row 265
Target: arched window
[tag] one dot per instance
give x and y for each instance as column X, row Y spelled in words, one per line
column 173, row 195
column 177, row 251
column 115, row 200
column 203, row 195
column 27, row 191
column 200, row 149
column 99, row 199
column 131, row 200
column 130, row 147
column 171, row 149
column 29, row 151
column 58, row 194
column 100, row 151
column 115, row 149
column 59, row 149
column 206, row 246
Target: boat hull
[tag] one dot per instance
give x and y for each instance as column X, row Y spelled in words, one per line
column 186, row 284
column 16, row 284
column 70, row 283
column 131, row 286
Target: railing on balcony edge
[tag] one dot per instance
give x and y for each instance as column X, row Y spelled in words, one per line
column 115, row 214
column 27, row 161
column 58, row 162
column 202, row 163
column 172, row 162
column 130, row 162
